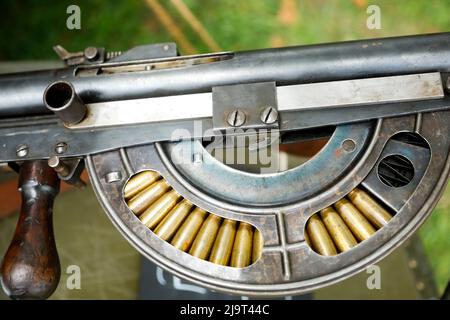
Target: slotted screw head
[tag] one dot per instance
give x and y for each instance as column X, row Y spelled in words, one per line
column 269, row 115
column 61, row 147
column 22, row 150
column 236, row 118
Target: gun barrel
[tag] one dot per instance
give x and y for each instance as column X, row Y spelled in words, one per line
column 22, row 94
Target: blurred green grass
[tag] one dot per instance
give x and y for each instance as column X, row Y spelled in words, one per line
column 29, row 29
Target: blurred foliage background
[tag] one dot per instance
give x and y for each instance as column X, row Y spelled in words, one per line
column 29, row 29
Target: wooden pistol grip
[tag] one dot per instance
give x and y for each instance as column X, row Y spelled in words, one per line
column 30, row 268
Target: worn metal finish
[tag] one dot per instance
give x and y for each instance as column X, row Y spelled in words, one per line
column 236, row 118
column 22, row 150
column 418, row 156
column 21, row 94
column 247, row 105
column 45, row 135
column 241, row 105
column 60, row 97
column 269, row 115
column 287, row 265
column 263, row 189
column 90, row 55
column 150, row 110
column 277, row 207
column 369, row 91
column 61, row 147
column 60, row 167
column 68, row 170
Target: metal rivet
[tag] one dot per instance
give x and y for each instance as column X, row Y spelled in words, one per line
column 269, row 115
column 22, row 150
column 61, row 147
column 113, row 176
column 236, row 118
column 198, row 158
column 90, row 53
column 349, row 145
column 59, row 166
column 166, row 47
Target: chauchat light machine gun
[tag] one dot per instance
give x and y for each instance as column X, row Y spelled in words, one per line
column 155, row 129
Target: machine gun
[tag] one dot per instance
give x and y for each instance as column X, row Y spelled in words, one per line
column 143, row 122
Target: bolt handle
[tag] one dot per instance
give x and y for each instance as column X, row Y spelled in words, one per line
column 30, row 268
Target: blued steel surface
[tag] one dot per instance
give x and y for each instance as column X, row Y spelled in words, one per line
column 22, row 93
column 278, row 205
column 287, row 264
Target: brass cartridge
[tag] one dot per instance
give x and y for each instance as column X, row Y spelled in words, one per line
column 204, row 241
column 146, row 197
column 257, row 246
column 358, row 224
column 159, row 209
column 338, row 230
column 319, row 237
column 223, row 244
column 186, row 234
column 139, row 182
column 373, row 211
column 241, row 255
column 170, row 224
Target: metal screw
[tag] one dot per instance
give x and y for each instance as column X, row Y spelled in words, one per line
column 166, row 47
column 448, row 84
column 113, row 176
column 59, row 166
column 90, row 53
column 61, row 147
column 349, row 145
column 236, row 118
column 22, row 150
column 269, row 115
column 198, row 158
